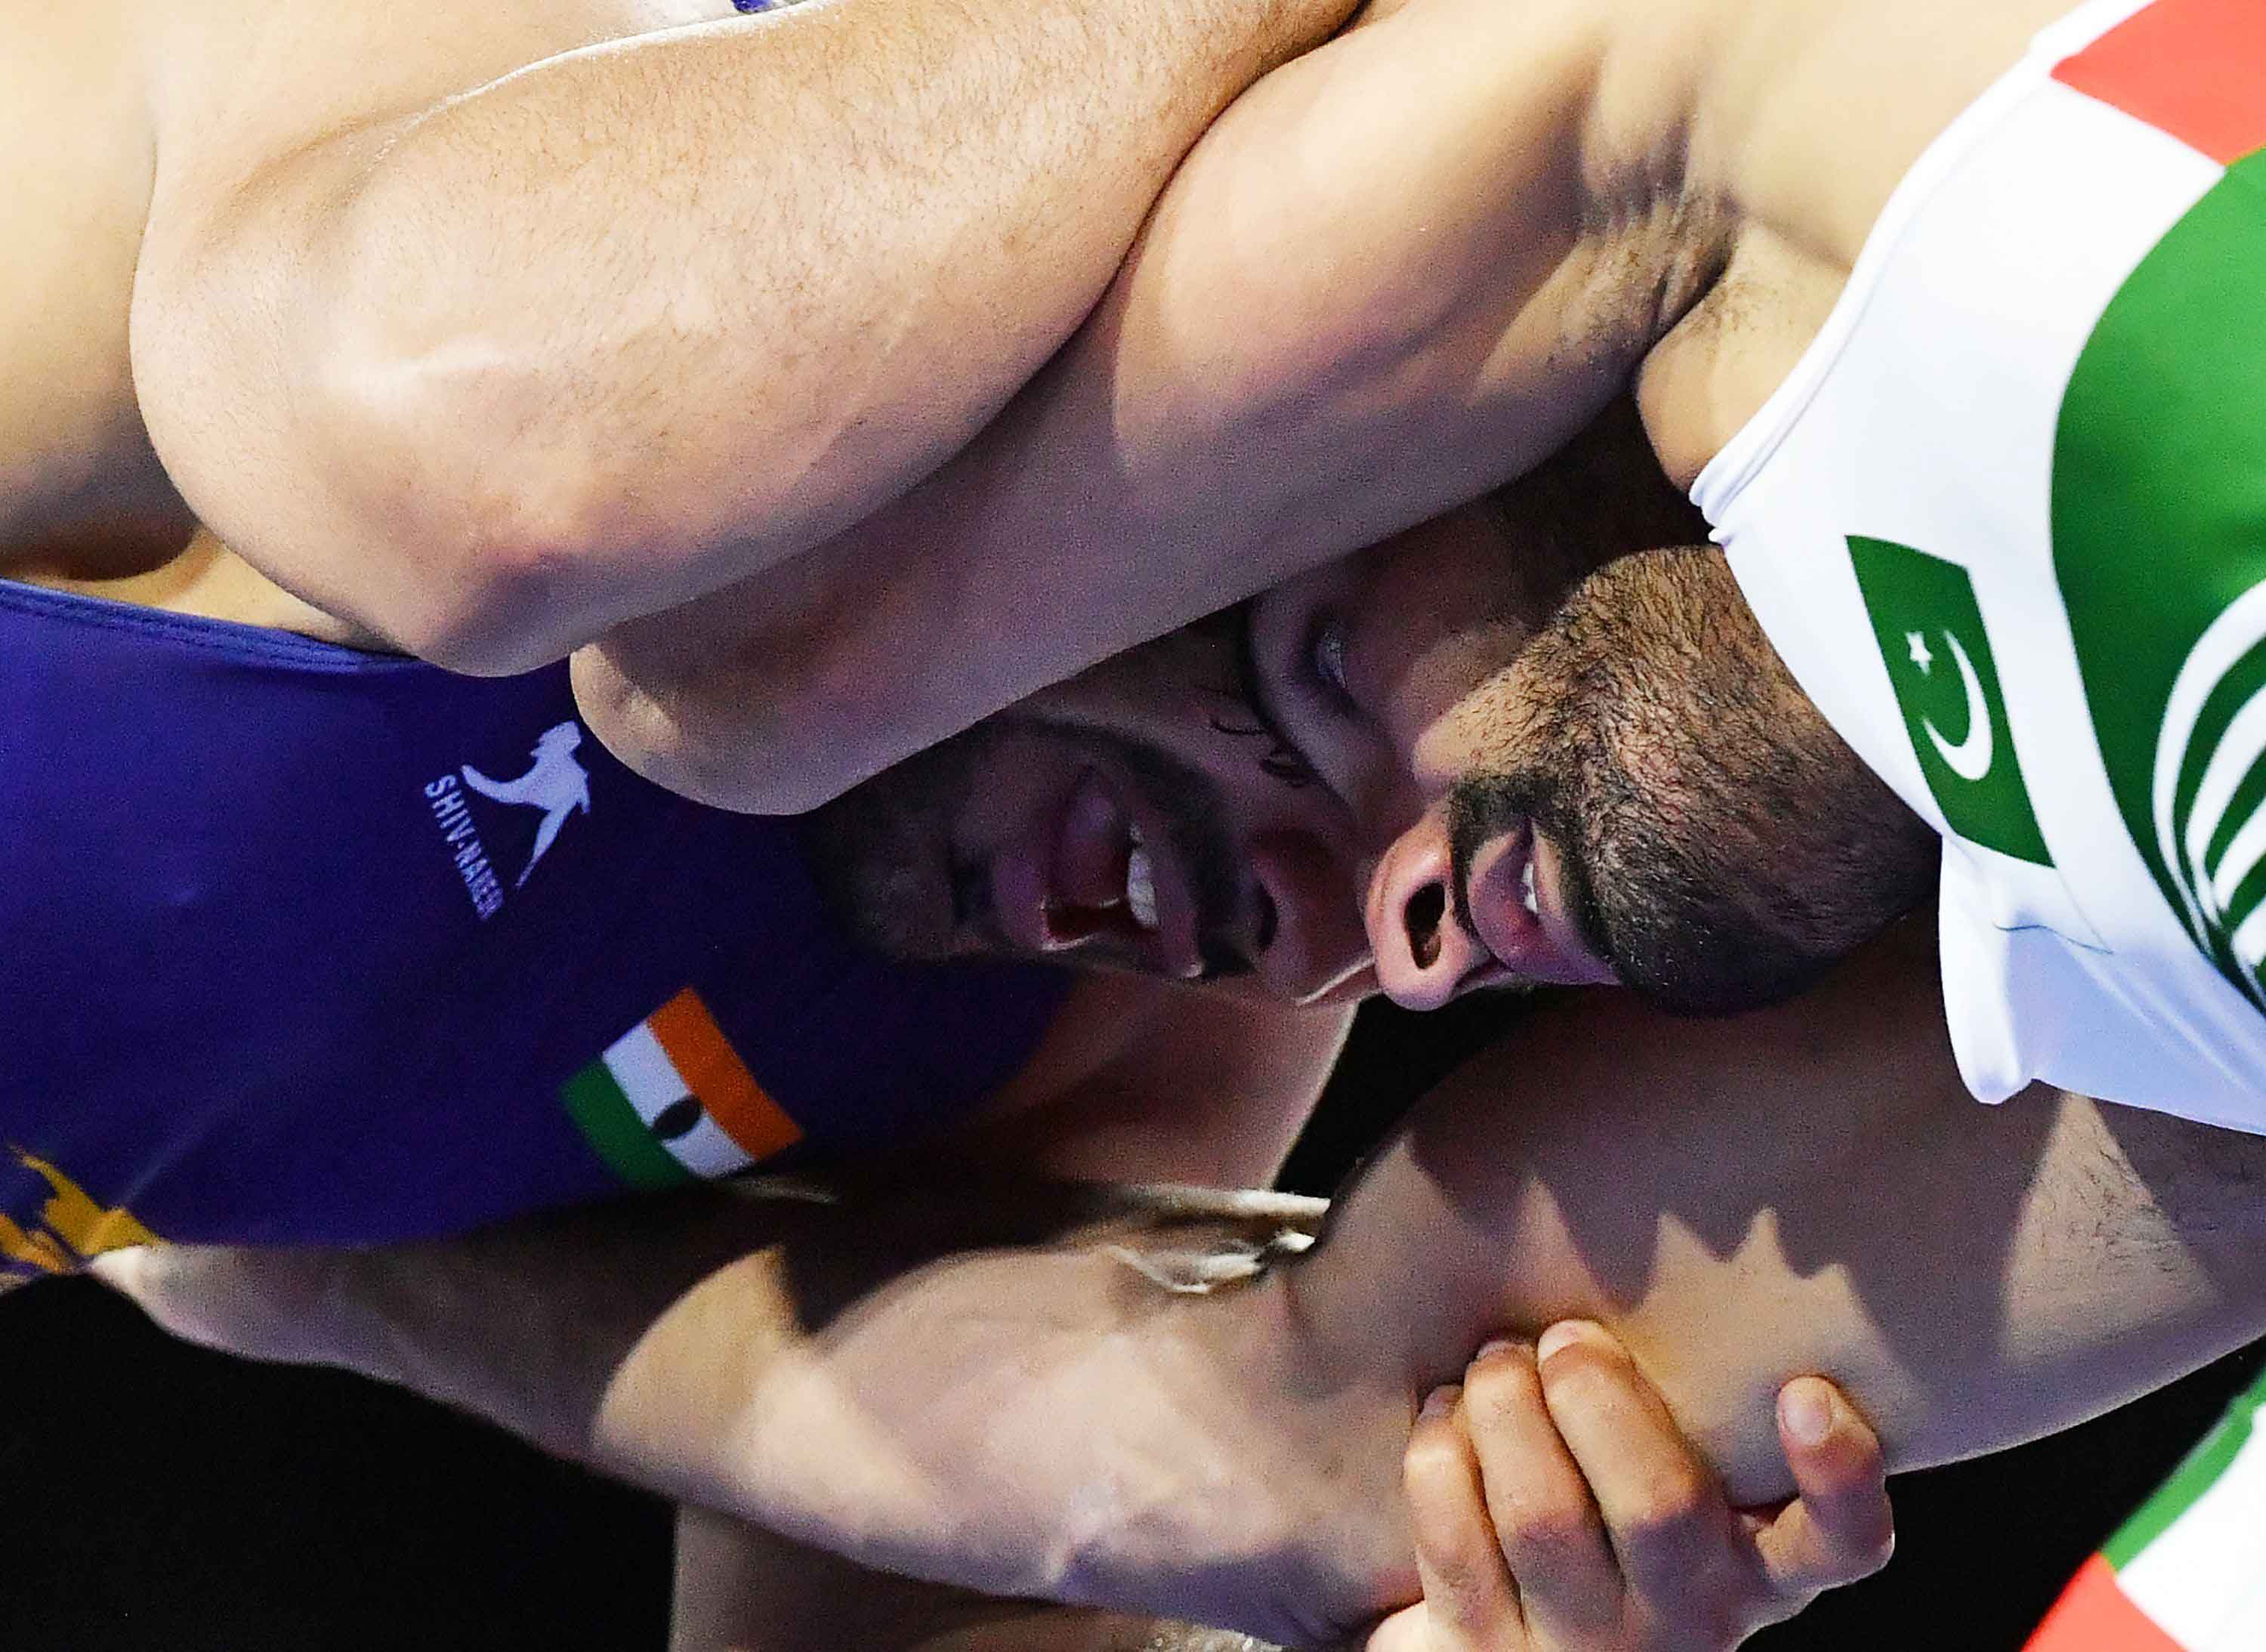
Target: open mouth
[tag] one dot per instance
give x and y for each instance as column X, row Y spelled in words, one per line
column 1096, row 872
column 1517, row 908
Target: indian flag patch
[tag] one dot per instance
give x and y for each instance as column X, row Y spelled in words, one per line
column 2188, row 1573
column 671, row 1100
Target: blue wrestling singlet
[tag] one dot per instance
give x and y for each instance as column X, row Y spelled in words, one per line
column 307, row 944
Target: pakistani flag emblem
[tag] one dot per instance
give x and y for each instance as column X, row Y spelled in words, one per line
column 1931, row 634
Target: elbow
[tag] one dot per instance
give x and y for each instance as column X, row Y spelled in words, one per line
column 417, row 492
column 480, row 538
column 688, row 723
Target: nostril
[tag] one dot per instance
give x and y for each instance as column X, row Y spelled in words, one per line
column 1422, row 915
column 1269, row 919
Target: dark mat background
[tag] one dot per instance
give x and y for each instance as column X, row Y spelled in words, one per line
column 157, row 1498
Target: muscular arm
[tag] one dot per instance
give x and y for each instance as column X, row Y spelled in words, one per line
column 489, row 329
column 1368, row 294
column 1805, row 1190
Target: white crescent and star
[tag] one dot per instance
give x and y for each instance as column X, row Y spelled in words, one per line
column 1969, row 758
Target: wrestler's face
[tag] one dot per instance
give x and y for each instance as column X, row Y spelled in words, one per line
column 1141, row 817
column 1615, row 777
column 1644, row 794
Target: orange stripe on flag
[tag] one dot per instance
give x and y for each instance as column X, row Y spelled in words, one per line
column 2195, row 68
column 2094, row 1615
column 705, row 1059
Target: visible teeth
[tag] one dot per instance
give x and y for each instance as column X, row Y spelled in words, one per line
column 1527, row 889
column 1141, row 887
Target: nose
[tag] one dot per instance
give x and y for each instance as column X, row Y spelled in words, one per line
column 1424, row 956
column 1317, row 941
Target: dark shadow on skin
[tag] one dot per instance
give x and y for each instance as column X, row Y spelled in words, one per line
column 1675, row 1127
column 1655, row 1089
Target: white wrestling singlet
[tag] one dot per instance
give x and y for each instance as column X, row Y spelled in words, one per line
column 2005, row 522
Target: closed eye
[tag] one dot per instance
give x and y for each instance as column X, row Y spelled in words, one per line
column 1284, row 760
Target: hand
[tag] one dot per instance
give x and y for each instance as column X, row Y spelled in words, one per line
column 1558, row 1508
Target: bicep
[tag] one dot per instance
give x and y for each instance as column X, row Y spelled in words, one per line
column 1809, row 1190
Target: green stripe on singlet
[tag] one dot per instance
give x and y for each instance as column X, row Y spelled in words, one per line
column 2195, row 1475
column 615, row 1132
column 2159, row 504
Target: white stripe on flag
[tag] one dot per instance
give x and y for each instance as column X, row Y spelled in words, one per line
column 2203, row 1579
column 651, row 1082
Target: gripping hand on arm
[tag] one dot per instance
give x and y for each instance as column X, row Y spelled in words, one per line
column 1557, row 1506
column 1741, row 1202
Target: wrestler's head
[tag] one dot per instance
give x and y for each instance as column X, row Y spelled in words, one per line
column 1217, row 804
column 1140, row 816
column 1636, row 791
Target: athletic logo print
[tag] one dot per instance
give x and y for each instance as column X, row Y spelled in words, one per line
column 670, row 1099
column 555, row 782
column 69, row 1228
column 1969, row 758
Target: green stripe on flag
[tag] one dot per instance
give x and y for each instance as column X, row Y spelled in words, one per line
column 2194, row 1476
column 615, row 1132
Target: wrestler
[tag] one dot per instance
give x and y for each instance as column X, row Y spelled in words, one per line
column 262, row 863
column 263, row 874
column 2031, row 676
column 1801, row 1189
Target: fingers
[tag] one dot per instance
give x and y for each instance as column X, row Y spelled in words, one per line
column 1677, row 1542
column 1557, row 1507
column 1470, row 1602
column 1840, row 1528
column 1539, row 1501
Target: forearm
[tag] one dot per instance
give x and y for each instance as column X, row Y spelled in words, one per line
column 1742, row 1202
column 1320, row 337
column 644, row 316
column 1808, row 1191
column 1812, row 1196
